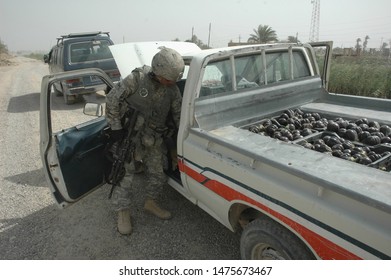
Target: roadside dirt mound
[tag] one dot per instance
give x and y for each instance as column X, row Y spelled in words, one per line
column 6, row 60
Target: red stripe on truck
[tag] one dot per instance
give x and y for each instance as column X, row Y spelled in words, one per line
column 325, row 248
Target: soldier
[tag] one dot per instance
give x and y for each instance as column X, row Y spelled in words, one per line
column 154, row 93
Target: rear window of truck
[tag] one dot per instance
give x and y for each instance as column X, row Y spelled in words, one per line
column 246, row 72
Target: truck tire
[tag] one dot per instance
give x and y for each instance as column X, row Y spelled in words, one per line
column 268, row 240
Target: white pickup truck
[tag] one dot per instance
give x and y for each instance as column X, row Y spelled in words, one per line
column 262, row 147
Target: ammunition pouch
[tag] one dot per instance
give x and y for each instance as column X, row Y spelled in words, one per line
column 160, row 130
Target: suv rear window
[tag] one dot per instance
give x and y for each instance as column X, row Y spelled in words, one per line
column 90, row 51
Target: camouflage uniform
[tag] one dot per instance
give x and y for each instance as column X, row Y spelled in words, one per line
column 154, row 102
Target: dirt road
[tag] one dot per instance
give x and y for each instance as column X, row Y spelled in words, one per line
column 31, row 225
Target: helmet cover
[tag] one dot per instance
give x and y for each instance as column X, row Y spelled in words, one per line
column 169, row 64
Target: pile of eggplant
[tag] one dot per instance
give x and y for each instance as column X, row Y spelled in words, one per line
column 362, row 141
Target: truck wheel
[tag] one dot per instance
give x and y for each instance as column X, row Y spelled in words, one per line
column 265, row 239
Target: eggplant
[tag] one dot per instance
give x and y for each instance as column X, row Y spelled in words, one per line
column 306, row 132
column 374, row 124
column 374, row 157
column 373, row 129
column 372, row 140
column 266, row 122
column 338, row 147
column 282, row 121
column 364, row 126
column 319, row 125
column 322, row 148
column 283, row 138
column 271, row 129
column 298, row 112
column 307, row 126
column 348, row 145
column 364, row 160
column 362, row 121
column 275, row 122
column 386, row 130
column 332, row 126
column 290, row 113
column 290, row 127
column 305, row 144
column 296, row 136
column 316, row 116
column 357, row 150
column 341, row 132
column 332, row 141
column 337, row 153
column 351, row 126
column 363, row 135
column 342, row 123
column 351, row 135
column 358, row 129
column 319, row 141
column 284, row 115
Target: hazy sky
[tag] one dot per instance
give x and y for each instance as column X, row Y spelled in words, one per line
column 35, row 24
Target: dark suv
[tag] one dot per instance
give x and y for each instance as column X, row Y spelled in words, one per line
column 79, row 51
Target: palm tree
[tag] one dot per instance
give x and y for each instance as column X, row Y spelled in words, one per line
column 293, row 39
column 365, row 43
column 263, row 34
column 358, row 41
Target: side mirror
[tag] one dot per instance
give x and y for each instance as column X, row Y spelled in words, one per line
column 46, row 58
column 93, row 109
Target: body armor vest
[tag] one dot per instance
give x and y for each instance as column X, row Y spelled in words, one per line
column 151, row 99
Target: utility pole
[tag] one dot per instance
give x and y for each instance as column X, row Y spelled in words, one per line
column 210, row 27
column 314, row 30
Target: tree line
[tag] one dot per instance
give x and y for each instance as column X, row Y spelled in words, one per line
column 261, row 35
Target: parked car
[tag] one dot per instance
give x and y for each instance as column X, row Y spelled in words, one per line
column 79, row 51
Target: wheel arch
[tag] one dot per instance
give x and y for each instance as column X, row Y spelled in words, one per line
column 242, row 213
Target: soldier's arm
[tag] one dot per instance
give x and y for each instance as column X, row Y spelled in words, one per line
column 116, row 97
column 176, row 105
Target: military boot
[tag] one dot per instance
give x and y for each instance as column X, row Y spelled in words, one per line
column 124, row 224
column 152, row 207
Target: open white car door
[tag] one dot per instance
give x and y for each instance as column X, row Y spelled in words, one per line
column 323, row 53
column 73, row 143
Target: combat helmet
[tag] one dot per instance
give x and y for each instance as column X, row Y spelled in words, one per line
column 168, row 63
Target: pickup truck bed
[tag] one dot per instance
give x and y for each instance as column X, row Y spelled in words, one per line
column 327, row 194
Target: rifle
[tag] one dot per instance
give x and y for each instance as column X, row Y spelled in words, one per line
column 121, row 151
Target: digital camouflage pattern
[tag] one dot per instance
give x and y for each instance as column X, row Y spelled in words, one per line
column 155, row 103
column 168, row 64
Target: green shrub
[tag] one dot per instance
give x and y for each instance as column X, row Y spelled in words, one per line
column 3, row 47
column 364, row 76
